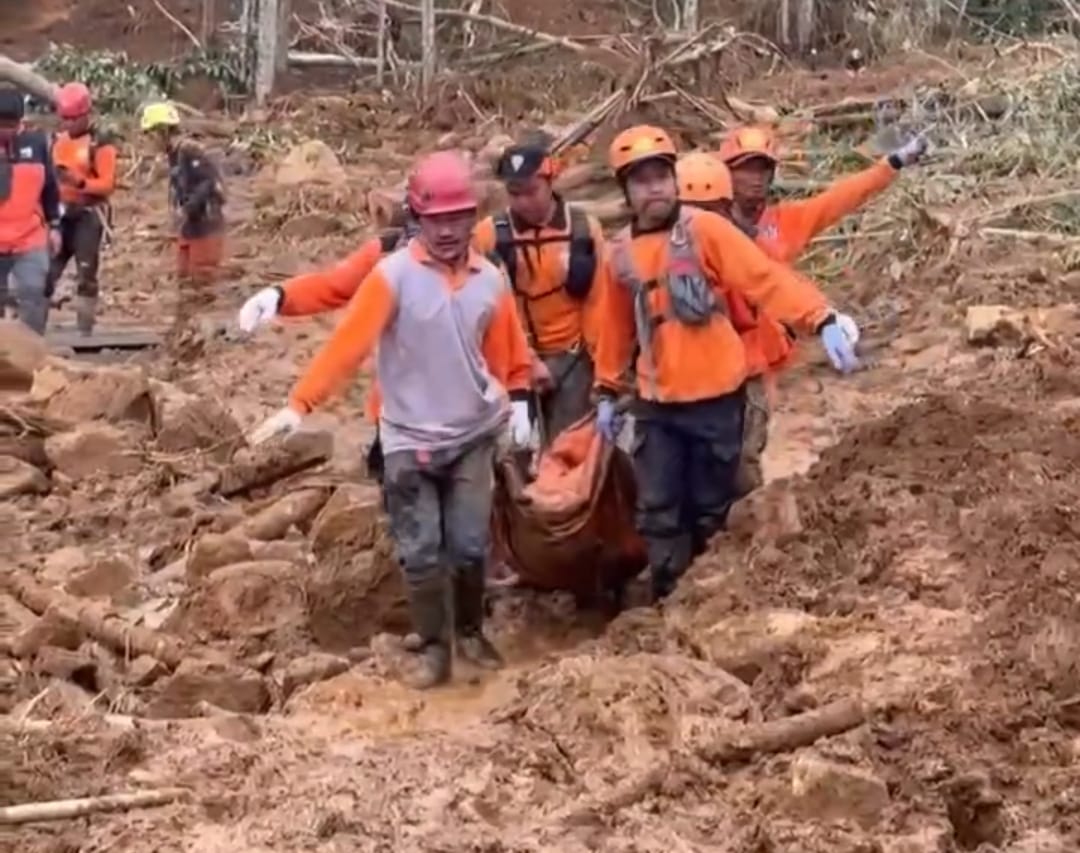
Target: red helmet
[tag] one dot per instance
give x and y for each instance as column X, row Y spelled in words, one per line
column 441, row 183
column 73, row 101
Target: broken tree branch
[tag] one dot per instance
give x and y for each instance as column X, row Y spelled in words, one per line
column 67, row 809
column 106, row 628
column 26, row 78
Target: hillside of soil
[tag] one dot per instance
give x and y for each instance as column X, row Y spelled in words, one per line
column 881, row 654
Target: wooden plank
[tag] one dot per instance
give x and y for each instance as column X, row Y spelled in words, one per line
column 116, row 338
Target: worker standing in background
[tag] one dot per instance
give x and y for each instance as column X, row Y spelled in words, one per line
column 453, row 366
column 705, row 183
column 85, row 162
column 663, row 292
column 784, row 229
column 551, row 252
column 197, row 198
column 29, row 212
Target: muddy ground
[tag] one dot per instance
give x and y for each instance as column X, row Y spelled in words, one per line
column 903, row 592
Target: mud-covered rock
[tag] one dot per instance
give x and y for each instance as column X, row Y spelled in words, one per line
column 22, row 351
column 94, row 448
column 70, row 665
column 53, row 628
column 309, row 669
column 144, row 671
column 20, row 478
column 14, row 619
column 830, row 790
column 258, row 599
column 222, row 685
column 76, row 391
column 1039, row 841
column 108, row 576
column 62, row 564
column 310, row 162
column 214, row 550
column 351, row 520
column 934, row 839
column 975, row 810
column 350, row 600
column 186, row 422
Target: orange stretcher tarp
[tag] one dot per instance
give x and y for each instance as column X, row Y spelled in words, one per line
column 572, row 528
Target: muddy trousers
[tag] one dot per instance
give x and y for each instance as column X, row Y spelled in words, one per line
column 686, row 459
column 756, row 419
column 439, row 507
column 82, row 234
column 23, row 276
column 571, row 398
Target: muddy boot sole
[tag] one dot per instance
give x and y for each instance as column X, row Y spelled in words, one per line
column 479, row 651
column 432, row 668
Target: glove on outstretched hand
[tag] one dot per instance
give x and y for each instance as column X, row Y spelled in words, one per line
column 909, row 153
column 282, row 422
column 259, row 309
column 840, row 344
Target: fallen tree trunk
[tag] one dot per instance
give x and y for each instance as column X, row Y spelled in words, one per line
column 258, row 466
column 273, row 522
column 26, row 78
column 773, row 736
column 67, row 809
column 106, row 628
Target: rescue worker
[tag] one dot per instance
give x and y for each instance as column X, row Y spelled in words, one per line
column 29, row 212
column 85, row 162
column 705, row 182
column 327, row 290
column 784, row 229
column 550, row 251
column 453, row 366
column 664, row 286
column 197, row 197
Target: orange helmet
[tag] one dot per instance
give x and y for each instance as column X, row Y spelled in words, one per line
column 702, row 177
column 640, row 143
column 746, row 142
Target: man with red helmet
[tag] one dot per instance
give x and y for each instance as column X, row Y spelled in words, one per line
column 29, row 212
column 453, row 366
column 85, row 160
column 664, row 293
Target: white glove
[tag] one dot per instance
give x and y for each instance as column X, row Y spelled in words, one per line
column 849, row 327
column 520, row 423
column 259, row 309
column 282, row 422
column 910, row 152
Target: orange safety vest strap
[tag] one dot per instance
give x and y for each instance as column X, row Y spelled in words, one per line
column 691, row 296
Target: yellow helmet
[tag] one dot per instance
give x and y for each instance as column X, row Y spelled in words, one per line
column 162, row 114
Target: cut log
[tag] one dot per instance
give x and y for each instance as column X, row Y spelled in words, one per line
column 106, row 628
column 253, row 467
column 67, row 809
column 274, row 521
column 26, row 78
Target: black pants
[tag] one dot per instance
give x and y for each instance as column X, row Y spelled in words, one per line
column 82, row 232
column 686, row 460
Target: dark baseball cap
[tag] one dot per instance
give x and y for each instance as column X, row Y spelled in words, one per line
column 12, row 104
column 521, row 162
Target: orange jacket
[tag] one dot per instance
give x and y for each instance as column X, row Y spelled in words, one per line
column 696, row 362
column 30, row 201
column 85, row 166
column 372, row 309
column 785, row 230
column 555, row 319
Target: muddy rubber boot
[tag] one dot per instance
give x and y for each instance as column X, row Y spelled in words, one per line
column 427, row 601
column 472, row 645
column 85, row 314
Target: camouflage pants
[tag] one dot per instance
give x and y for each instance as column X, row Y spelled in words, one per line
column 756, row 417
column 439, row 506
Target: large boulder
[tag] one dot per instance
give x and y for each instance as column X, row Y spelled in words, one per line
column 91, row 449
column 22, row 351
column 215, row 683
column 350, row 521
column 310, row 162
column 184, row 421
column 74, row 392
column 20, row 478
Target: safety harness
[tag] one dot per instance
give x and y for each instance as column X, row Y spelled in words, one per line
column 692, row 298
